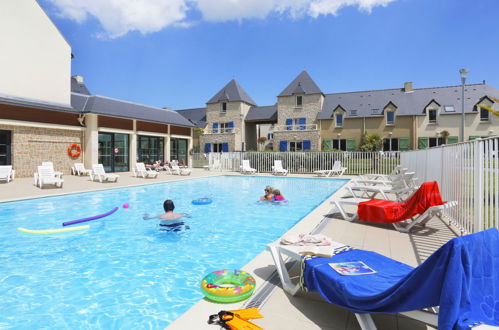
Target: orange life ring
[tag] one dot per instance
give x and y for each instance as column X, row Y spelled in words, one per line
column 72, row 153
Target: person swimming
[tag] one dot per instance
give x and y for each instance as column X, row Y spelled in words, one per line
column 277, row 195
column 268, row 194
column 169, row 221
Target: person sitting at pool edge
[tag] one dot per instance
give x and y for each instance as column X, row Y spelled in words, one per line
column 277, row 195
column 268, row 194
column 169, row 220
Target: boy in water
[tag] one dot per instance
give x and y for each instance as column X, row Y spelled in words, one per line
column 169, row 221
column 268, row 194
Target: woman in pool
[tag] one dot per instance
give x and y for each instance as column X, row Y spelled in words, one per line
column 169, row 221
column 277, row 195
column 268, row 194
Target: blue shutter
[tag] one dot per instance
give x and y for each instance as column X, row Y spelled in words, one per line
column 283, row 145
column 215, row 127
column 289, row 124
column 302, row 122
column 231, row 126
column 225, row 147
column 207, row 147
column 306, row 144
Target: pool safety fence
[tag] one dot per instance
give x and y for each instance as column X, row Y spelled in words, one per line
column 301, row 162
column 466, row 172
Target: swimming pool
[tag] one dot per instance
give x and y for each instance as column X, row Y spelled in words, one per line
column 123, row 272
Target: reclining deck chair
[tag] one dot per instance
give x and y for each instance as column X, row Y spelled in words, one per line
column 378, row 176
column 176, row 169
column 79, row 169
column 337, row 169
column 277, row 169
column 461, row 278
column 400, row 187
column 6, row 173
column 47, row 175
column 141, row 170
column 246, row 168
column 100, row 174
column 418, row 209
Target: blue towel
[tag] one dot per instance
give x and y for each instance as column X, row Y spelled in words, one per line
column 462, row 277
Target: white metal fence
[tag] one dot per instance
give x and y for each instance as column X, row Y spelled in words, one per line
column 302, row 162
column 466, row 172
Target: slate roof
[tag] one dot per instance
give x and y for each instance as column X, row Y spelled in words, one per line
column 197, row 116
column 232, row 92
column 264, row 113
column 302, row 84
column 411, row 103
column 117, row 108
column 35, row 104
column 77, row 87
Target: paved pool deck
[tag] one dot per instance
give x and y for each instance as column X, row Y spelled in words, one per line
column 280, row 310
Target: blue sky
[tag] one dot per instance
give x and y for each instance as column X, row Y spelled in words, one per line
column 179, row 53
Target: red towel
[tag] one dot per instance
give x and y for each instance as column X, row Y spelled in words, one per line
column 426, row 196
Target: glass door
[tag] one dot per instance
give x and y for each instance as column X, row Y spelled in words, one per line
column 113, row 152
column 150, row 149
column 178, row 150
column 5, row 146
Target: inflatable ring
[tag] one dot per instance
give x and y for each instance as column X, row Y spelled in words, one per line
column 202, row 201
column 76, row 153
column 228, row 286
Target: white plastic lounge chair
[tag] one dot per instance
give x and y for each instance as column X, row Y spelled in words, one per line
column 246, row 168
column 180, row 171
column 46, row 175
column 79, row 169
column 141, row 170
column 277, row 169
column 408, row 177
column 100, row 174
column 216, row 165
column 6, row 173
column 337, row 169
column 399, row 188
column 396, row 171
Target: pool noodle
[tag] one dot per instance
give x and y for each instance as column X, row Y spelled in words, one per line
column 72, row 222
column 51, row 231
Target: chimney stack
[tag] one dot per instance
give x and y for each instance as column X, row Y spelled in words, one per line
column 79, row 79
column 408, row 86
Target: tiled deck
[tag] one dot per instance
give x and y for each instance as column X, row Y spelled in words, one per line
column 282, row 311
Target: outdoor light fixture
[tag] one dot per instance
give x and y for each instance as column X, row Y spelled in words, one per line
column 463, row 73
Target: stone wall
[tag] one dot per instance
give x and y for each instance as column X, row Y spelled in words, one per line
column 33, row 145
column 229, row 138
column 286, row 108
column 293, row 136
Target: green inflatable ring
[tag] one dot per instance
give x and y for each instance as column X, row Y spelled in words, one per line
column 227, row 286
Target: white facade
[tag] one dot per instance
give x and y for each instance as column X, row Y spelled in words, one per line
column 35, row 59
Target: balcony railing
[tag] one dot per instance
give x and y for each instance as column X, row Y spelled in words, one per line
column 221, row 131
column 298, row 127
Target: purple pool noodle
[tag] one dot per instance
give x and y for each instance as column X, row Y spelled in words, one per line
column 72, row 222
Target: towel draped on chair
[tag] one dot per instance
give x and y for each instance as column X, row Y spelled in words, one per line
column 462, row 277
column 375, row 210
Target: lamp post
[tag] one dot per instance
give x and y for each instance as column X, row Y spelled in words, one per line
column 463, row 73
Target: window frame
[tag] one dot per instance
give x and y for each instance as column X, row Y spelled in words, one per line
column 483, row 111
column 336, row 119
column 375, row 112
column 438, row 141
column 299, row 97
column 434, row 121
column 390, row 141
column 388, row 123
column 293, row 146
column 445, row 107
column 217, row 146
column 353, row 113
column 223, row 107
column 337, row 144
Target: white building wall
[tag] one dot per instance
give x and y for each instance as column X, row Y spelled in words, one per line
column 35, row 59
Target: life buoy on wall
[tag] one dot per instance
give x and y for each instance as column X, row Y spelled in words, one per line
column 74, row 153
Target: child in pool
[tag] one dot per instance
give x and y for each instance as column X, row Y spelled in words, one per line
column 169, row 220
column 278, row 196
column 268, row 194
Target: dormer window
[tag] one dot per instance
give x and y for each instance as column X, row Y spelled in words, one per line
column 432, row 115
column 484, row 114
column 299, row 101
column 339, row 120
column 223, row 107
column 390, row 118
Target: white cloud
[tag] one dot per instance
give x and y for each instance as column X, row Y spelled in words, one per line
column 118, row 17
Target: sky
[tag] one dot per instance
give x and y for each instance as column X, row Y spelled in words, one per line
column 179, row 53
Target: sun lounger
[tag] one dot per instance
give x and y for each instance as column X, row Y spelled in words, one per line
column 6, row 173
column 396, row 171
column 141, row 170
column 246, row 168
column 399, row 188
column 100, row 174
column 46, row 175
column 214, row 166
column 79, row 169
column 180, row 170
column 277, row 169
column 337, row 169
column 459, row 278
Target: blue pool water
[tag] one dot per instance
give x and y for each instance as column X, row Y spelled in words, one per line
column 125, row 274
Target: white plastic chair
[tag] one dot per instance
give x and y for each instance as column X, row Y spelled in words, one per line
column 6, row 173
column 46, row 175
column 99, row 173
column 79, row 169
column 180, row 171
column 141, row 170
column 246, row 168
column 277, row 169
column 399, row 188
column 337, row 169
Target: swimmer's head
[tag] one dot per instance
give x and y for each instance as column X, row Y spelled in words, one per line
column 168, row 205
column 276, row 192
column 268, row 190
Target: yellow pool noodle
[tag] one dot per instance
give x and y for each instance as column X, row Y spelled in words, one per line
column 52, row 231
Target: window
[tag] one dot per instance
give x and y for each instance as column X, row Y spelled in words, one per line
column 339, row 144
column 449, row 108
column 223, row 107
column 390, row 117
column 224, row 128
column 296, row 146
column 435, row 142
column 375, row 112
column 217, row 147
column 353, row 113
column 432, row 115
column 484, row 114
column 150, row 149
column 5, row 147
column 391, row 144
column 270, row 136
column 299, row 101
column 339, row 120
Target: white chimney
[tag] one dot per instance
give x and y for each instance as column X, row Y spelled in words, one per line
column 79, row 79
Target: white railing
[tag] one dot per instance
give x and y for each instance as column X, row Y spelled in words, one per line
column 306, row 162
column 220, row 131
column 466, row 172
column 297, row 127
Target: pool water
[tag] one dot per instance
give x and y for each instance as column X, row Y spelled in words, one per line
column 123, row 272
